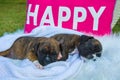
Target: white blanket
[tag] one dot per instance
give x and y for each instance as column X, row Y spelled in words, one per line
column 105, row 68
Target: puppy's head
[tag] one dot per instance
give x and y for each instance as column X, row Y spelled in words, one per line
column 48, row 51
column 90, row 48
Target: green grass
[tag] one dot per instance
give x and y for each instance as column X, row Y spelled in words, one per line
column 116, row 29
column 13, row 14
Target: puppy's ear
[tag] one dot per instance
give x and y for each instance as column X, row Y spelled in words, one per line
column 35, row 47
column 85, row 38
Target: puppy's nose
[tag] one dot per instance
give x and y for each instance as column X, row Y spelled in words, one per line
column 59, row 56
column 94, row 59
column 47, row 58
column 98, row 54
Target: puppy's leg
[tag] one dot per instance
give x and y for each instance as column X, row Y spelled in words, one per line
column 32, row 57
column 74, row 52
column 37, row 64
column 64, row 56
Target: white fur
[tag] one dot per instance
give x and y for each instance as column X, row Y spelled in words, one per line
column 37, row 64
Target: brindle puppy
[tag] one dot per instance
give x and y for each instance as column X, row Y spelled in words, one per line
column 68, row 43
column 86, row 45
column 40, row 50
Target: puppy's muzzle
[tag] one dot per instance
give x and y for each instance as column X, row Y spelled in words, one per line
column 92, row 57
column 97, row 54
column 48, row 60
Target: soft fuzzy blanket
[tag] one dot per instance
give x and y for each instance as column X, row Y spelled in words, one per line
column 105, row 68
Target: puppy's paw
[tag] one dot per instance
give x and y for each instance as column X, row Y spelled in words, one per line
column 38, row 65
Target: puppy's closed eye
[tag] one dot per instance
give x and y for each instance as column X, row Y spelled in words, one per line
column 90, row 56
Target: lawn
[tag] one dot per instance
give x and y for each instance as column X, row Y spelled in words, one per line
column 12, row 16
column 116, row 29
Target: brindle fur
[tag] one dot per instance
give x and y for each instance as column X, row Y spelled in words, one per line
column 32, row 47
column 68, row 43
column 71, row 41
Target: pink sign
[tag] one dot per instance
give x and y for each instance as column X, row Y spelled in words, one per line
column 89, row 16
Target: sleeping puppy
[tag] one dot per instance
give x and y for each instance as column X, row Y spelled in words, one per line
column 71, row 41
column 68, row 43
column 40, row 50
column 89, row 47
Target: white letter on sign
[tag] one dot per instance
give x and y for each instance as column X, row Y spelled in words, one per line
column 33, row 14
column 96, row 16
column 62, row 18
column 76, row 18
column 50, row 20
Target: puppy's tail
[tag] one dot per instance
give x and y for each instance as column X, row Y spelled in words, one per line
column 5, row 53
